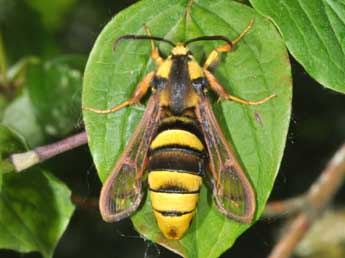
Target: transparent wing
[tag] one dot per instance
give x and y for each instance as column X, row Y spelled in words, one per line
column 121, row 193
column 232, row 190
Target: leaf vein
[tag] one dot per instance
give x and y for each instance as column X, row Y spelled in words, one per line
column 317, row 33
column 26, row 227
column 331, row 25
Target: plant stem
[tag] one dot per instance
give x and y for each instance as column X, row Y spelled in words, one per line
column 85, row 202
column 22, row 161
column 292, row 236
column 284, row 208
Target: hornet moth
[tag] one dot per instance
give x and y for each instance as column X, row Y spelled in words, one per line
column 177, row 142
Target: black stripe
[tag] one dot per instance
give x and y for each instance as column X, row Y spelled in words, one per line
column 159, row 82
column 178, row 171
column 173, row 213
column 177, row 146
column 180, row 148
column 191, row 126
column 177, row 190
column 173, row 159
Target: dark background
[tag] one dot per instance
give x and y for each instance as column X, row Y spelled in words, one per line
column 317, row 129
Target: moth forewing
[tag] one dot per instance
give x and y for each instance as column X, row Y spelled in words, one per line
column 232, row 190
column 121, row 193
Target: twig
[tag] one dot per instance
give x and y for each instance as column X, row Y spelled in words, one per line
column 27, row 159
column 329, row 182
column 284, row 208
column 317, row 198
column 85, row 203
column 292, row 236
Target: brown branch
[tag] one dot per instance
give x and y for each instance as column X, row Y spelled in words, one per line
column 329, row 182
column 22, row 161
column 292, row 236
column 317, row 198
column 85, row 202
column 284, row 208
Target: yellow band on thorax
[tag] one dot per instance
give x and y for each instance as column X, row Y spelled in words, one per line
column 164, row 69
column 195, row 70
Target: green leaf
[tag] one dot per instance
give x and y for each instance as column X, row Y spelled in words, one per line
column 257, row 68
column 314, row 32
column 17, row 72
column 50, row 105
column 3, row 63
column 10, row 143
column 35, row 207
column 19, row 116
column 55, row 92
column 3, row 104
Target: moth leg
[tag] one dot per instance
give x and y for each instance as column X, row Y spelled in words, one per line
column 139, row 92
column 223, row 94
column 155, row 52
column 213, row 59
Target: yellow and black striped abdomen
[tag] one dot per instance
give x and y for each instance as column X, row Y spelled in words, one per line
column 176, row 165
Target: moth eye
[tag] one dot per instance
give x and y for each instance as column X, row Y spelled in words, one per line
column 199, row 83
column 159, row 82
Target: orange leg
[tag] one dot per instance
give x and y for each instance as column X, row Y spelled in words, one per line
column 139, row 92
column 213, row 59
column 155, row 52
column 222, row 93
